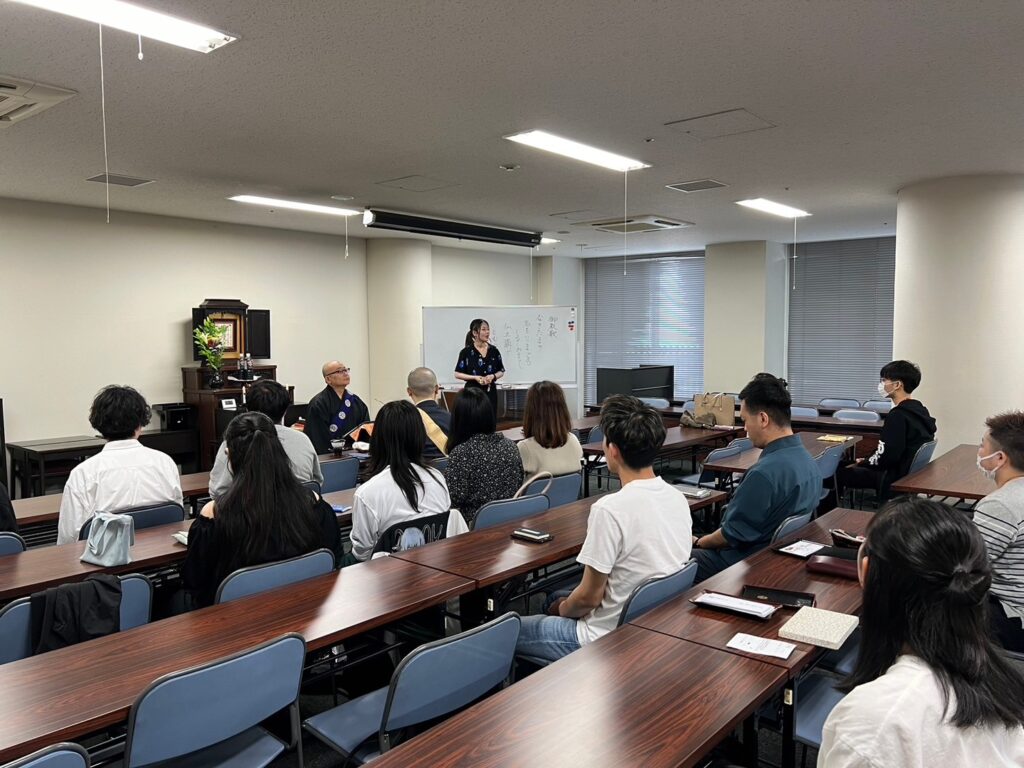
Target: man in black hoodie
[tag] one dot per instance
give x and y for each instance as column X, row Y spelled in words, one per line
column 907, row 427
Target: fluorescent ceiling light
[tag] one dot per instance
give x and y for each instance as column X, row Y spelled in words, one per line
column 767, row 206
column 548, row 241
column 139, row 21
column 569, row 148
column 273, row 202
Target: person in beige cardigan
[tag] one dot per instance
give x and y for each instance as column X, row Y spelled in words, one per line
column 550, row 445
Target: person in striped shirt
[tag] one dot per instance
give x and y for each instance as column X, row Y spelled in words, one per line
column 1000, row 519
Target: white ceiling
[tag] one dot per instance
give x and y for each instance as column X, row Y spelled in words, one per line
column 329, row 97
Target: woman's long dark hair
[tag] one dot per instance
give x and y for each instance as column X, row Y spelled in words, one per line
column 546, row 418
column 475, row 327
column 472, row 415
column 926, row 593
column 397, row 444
column 266, row 508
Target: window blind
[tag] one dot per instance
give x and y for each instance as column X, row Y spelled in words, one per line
column 652, row 315
column 840, row 318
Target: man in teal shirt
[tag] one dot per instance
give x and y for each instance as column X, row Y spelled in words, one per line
column 784, row 482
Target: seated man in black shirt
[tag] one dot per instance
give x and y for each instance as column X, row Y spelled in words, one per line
column 335, row 411
column 907, row 427
column 423, row 391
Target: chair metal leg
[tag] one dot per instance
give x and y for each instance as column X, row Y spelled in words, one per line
column 297, row 732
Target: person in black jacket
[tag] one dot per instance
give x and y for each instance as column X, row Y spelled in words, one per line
column 8, row 522
column 265, row 515
column 907, row 427
column 335, row 411
column 423, row 391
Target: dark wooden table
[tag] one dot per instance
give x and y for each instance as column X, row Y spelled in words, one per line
column 746, row 459
column 69, row 693
column 632, row 698
column 155, row 547
column 954, row 475
column 684, row 620
column 28, row 455
column 677, row 439
column 492, row 556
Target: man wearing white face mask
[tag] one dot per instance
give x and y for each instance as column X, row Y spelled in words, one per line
column 907, row 427
column 1000, row 519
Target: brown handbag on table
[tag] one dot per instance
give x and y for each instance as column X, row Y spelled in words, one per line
column 721, row 406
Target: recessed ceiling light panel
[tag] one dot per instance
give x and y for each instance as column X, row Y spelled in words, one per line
column 272, row 202
column 577, row 151
column 139, row 21
column 769, row 206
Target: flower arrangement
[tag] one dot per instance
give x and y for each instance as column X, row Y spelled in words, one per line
column 209, row 339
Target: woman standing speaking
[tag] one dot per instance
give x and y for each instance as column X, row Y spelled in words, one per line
column 480, row 363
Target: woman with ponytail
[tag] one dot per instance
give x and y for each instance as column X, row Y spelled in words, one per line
column 401, row 486
column 479, row 363
column 265, row 515
column 930, row 687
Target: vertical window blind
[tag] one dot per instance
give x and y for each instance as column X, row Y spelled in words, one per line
column 840, row 318
column 652, row 315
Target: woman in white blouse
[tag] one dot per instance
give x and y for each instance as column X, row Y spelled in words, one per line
column 550, row 445
column 402, row 486
column 930, row 687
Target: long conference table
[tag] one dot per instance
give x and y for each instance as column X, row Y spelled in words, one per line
column 741, row 463
column 953, row 475
column 96, row 682
column 660, row 691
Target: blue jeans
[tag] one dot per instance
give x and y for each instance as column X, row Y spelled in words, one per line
column 547, row 637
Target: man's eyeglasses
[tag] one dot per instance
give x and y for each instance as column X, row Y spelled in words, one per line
column 340, row 370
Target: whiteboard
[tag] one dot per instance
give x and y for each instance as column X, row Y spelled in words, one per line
column 536, row 342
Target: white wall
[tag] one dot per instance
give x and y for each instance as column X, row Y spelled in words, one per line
column 470, row 278
column 958, row 309
column 84, row 304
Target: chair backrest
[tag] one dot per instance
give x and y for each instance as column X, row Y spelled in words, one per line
column 339, row 475
column 803, row 412
column 562, row 489
column 11, row 543
column 195, row 708
column 440, row 677
column 922, row 456
column 16, row 617
column 655, row 402
column 65, row 755
column 828, row 462
column 260, row 578
column 440, row 464
column 535, row 485
column 791, row 524
column 850, row 415
column 878, row 406
column 506, row 510
column 136, row 600
column 839, row 402
column 16, row 630
column 312, row 485
column 596, row 435
column 432, row 527
column 145, row 517
column 706, row 475
column 655, row 591
column 689, row 407
column 743, row 443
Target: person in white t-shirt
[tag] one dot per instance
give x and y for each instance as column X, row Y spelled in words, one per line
column 402, row 486
column 125, row 474
column 930, row 688
column 642, row 531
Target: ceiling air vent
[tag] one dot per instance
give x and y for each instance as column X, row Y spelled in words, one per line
column 697, row 185
column 21, row 99
column 634, row 225
column 120, row 181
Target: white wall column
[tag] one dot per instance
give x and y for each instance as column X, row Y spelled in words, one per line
column 959, row 304
column 398, row 285
column 745, row 312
